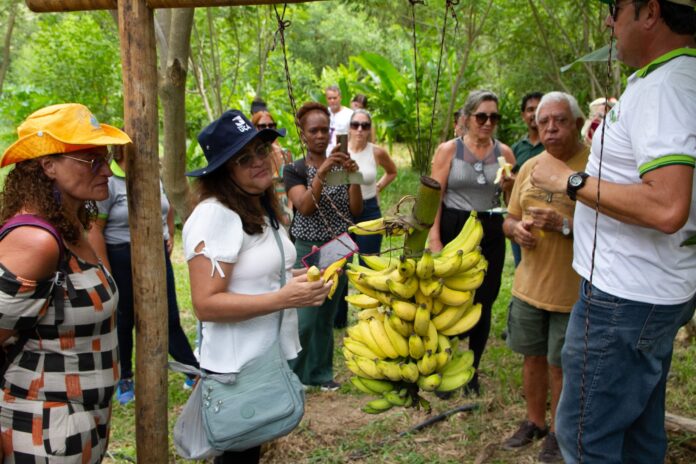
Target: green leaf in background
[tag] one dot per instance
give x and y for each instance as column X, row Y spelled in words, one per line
column 689, row 241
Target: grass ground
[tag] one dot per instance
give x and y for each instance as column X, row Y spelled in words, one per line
column 334, row 430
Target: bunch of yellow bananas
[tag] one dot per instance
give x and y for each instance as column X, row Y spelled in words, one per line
column 331, row 272
column 408, row 310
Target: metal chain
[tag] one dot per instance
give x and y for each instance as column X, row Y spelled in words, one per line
column 586, row 339
column 415, row 69
column 449, row 5
column 280, row 32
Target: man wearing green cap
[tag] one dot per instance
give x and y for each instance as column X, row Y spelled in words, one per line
column 639, row 284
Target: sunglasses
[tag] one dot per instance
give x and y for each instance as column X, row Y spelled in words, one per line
column 260, row 152
column 95, row 164
column 480, row 177
column 481, row 118
column 270, row 125
column 364, row 125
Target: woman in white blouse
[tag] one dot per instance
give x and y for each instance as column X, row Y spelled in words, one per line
column 234, row 259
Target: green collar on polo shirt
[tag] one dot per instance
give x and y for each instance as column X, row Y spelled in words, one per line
column 650, row 67
column 116, row 169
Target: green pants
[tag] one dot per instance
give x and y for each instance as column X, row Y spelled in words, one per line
column 314, row 364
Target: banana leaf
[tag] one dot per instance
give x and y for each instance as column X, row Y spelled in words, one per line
column 601, row 54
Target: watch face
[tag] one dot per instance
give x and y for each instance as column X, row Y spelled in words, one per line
column 575, row 180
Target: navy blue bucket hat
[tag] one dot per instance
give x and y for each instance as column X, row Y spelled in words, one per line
column 226, row 137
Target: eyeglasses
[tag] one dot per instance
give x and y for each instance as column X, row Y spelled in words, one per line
column 364, row 125
column 481, row 178
column 614, row 9
column 481, row 118
column 261, row 152
column 270, row 125
column 96, row 163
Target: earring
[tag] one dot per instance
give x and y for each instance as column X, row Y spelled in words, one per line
column 57, row 196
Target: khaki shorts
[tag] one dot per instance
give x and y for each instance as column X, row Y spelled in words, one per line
column 536, row 332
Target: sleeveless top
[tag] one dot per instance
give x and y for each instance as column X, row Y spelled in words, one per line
column 368, row 168
column 470, row 182
column 70, row 354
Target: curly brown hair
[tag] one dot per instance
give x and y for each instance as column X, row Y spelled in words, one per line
column 219, row 185
column 28, row 188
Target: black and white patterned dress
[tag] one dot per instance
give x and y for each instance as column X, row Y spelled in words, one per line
column 55, row 403
column 313, row 228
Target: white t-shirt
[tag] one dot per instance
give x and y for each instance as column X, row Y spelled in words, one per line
column 227, row 346
column 339, row 123
column 368, row 168
column 652, row 125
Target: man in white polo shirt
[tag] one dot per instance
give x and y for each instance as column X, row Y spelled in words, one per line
column 340, row 115
column 618, row 346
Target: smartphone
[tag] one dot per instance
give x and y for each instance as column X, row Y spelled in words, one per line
column 341, row 247
column 342, row 142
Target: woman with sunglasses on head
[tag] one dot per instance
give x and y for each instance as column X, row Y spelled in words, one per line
column 322, row 212
column 57, row 301
column 111, row 239
column 263, row 120
column 466, row 168
column 235, row 250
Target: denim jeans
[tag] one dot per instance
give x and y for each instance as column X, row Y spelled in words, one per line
column 628, row 356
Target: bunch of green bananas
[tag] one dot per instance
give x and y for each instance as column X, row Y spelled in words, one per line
column 408, row 310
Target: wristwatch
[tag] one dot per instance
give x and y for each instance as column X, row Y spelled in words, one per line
column 565, row 227
column 576, row 181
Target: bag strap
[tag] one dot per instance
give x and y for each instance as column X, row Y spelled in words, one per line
column 33, row 220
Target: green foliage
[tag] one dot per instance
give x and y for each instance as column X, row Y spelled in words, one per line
column 70, row 58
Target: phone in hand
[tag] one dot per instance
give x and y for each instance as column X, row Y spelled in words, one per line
column 342, row 142
column 340, row 247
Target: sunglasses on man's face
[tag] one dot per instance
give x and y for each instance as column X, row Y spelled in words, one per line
column 96, row 163
column 481, row 118
column 261, row 152
column 270, row 125
column 364, row 125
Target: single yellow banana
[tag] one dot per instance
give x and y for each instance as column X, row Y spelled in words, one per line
column 421, row 321
column 333, row 268
column 416, row 347
column 449, row 316
column 407, row 267
column 404, row 309
column 431, row 340
column 402, row 327
column 430, row 288
column 357, row 383
column 452, row 297
column 371, row 227
column 382, row 297
column 334, row 286
column 409, row 372
column 457, row 242
column 359, row 349
column 447, row 265
column 353, row 331
column 404, row 290
column 429, row 382
column 443, row 343
column 380, row 336
column 442, row 358
column 467, row 322
column 362, row 301
column 469, row 260
column 370, row 313
column 377, row 263
column 389, row 370
column 399, row 342
column 425, row 265
column 423, row 300
column 313, row 274
column 369, row 367
column 369, row 340
column 465, row 282
column 458, row 362
column 437, row 308
column 378, row 281
column 427, row 364
column 352, row 365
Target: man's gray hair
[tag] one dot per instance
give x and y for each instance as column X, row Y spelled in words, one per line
column 558, row 97
column 333, row 88
column 475, row 98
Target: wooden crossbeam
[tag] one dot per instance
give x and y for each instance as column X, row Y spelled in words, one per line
column 54, row 6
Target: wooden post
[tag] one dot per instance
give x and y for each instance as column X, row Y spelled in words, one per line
column 139, row 61
column 424, row 212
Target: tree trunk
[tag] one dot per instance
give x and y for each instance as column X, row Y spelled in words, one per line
column 139, row 61
column 7, row 44
column 173, row 97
